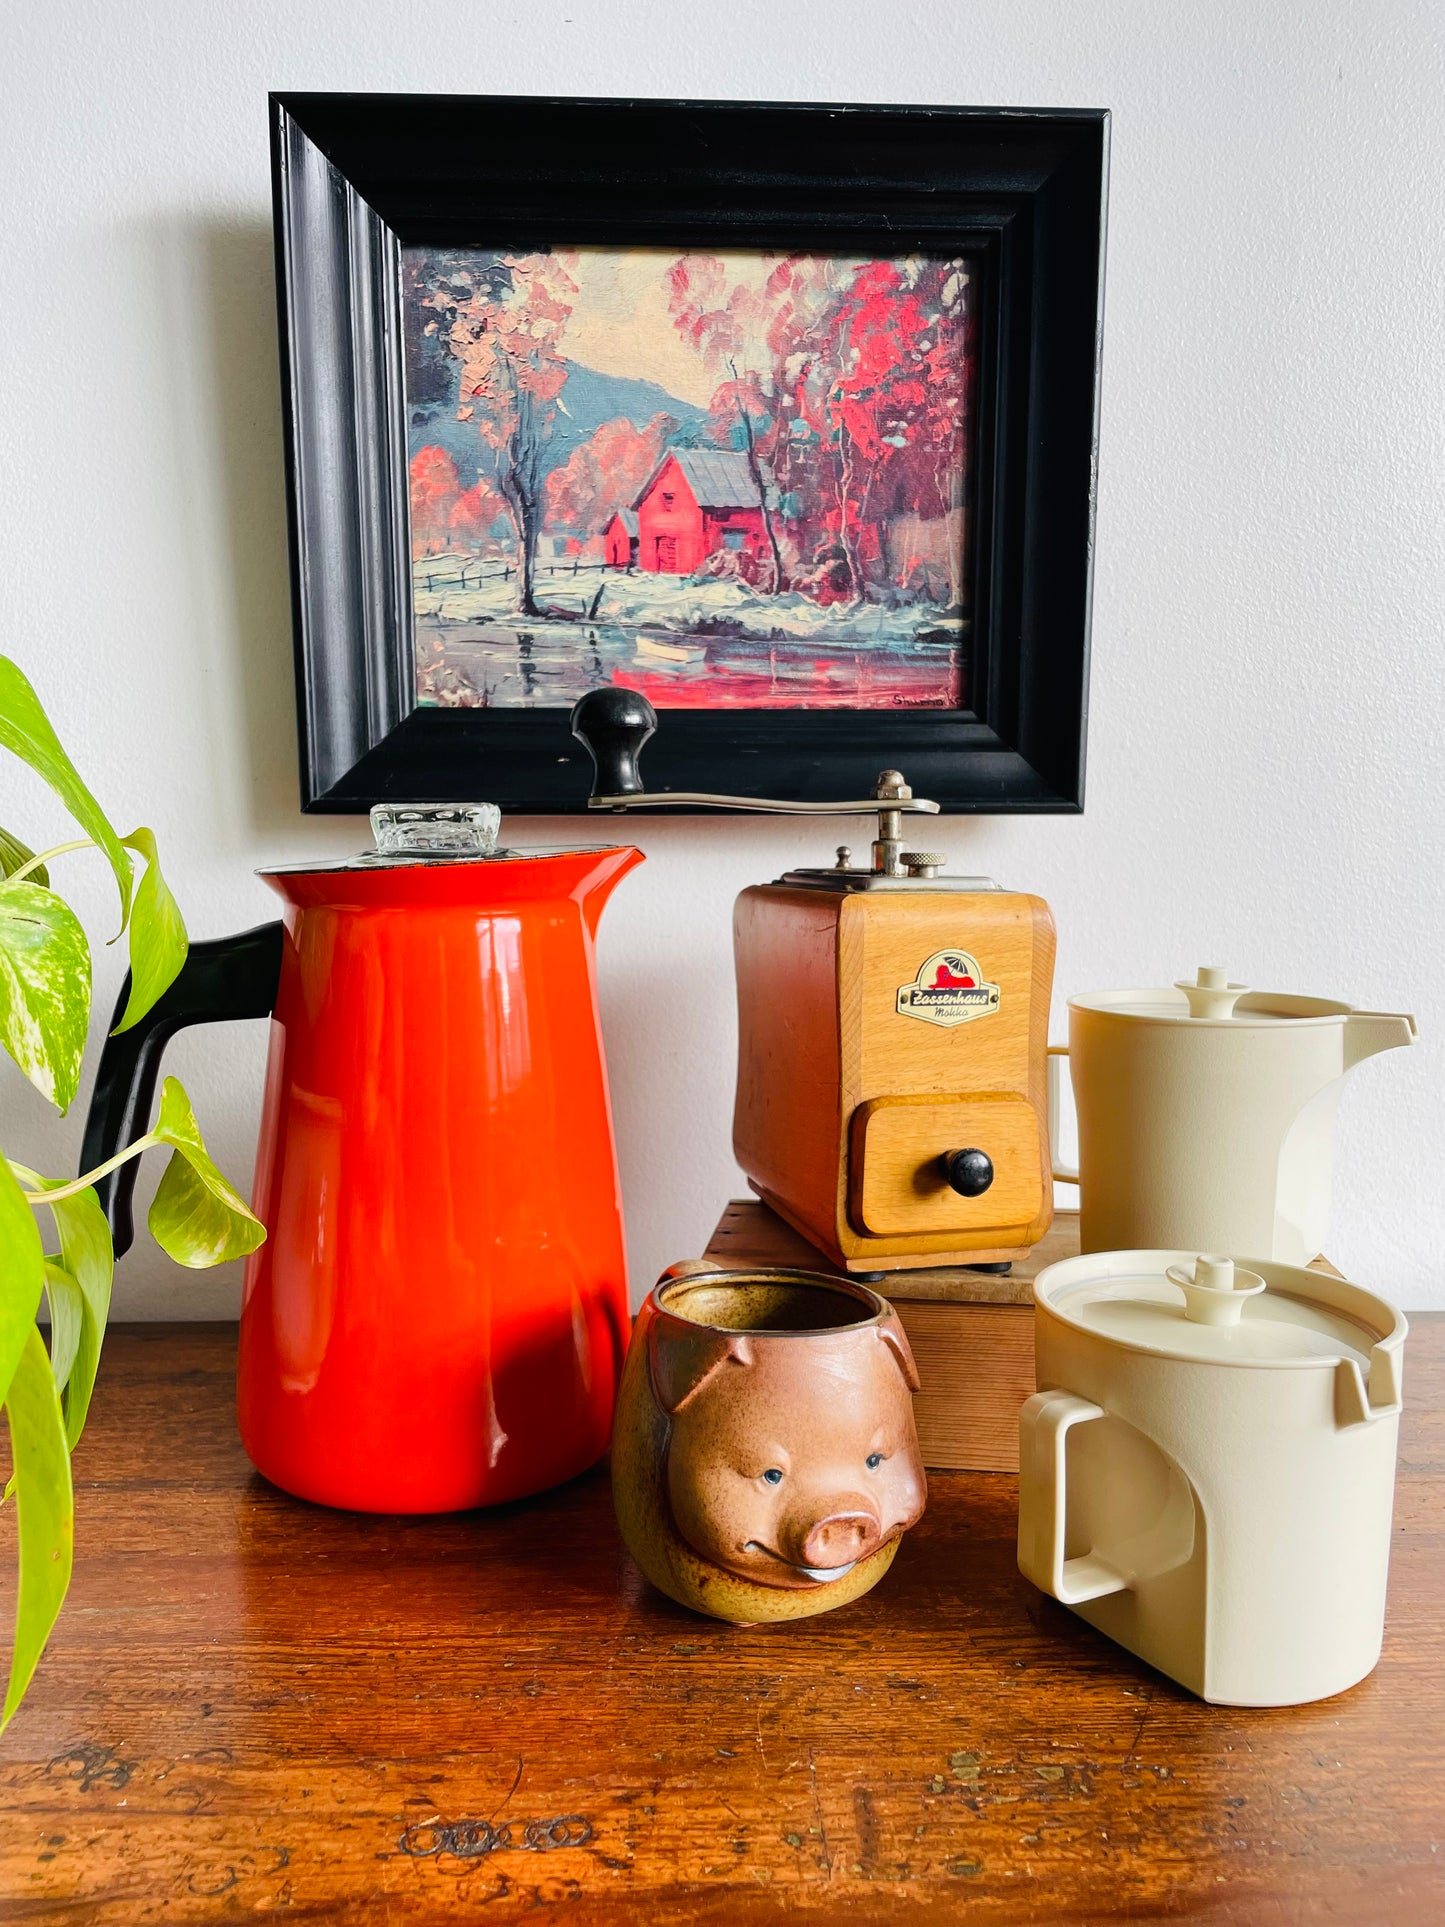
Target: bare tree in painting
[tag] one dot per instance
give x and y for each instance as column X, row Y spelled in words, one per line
column 755, row 469
column 503, row 315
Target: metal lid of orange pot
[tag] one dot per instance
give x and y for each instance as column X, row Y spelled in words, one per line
column 444, row 835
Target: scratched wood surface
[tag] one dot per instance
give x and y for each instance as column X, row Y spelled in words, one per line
column 257, row 1708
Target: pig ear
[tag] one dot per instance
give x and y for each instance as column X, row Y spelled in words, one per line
column 684, row 1357
column 893, row 1336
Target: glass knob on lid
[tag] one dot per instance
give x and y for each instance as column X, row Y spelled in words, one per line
column 1215, row 1291
column 1212, row 994
column 436, row 829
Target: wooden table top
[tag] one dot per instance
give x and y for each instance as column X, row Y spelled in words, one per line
column 254, row 1707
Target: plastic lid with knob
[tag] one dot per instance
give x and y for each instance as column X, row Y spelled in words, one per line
column 1215, row 1289
column 1212, row 994
column 1211, row 999
column 1218, row 1309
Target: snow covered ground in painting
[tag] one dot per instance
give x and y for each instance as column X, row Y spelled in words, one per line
column 682, row 606
column 710, row 643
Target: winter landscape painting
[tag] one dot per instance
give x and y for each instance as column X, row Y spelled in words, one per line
column 731, row 480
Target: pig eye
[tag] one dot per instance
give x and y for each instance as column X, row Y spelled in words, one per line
column 773, row 1475
column 873, row 1461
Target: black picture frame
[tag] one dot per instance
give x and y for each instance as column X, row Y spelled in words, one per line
column 357, row 177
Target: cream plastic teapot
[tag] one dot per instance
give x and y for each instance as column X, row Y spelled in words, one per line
column 1206, row 1113
column 1207, row 1472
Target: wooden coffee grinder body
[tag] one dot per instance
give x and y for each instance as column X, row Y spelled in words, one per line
column 886, row 1039
column 893, row 1022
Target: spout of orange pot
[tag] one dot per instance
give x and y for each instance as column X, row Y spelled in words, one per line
column 594, row 888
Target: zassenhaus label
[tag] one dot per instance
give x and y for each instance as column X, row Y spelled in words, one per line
column 949, row 989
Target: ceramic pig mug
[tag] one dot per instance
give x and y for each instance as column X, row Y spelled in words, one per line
column 764, row 1461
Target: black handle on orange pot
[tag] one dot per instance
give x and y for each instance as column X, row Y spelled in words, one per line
column 225, row 978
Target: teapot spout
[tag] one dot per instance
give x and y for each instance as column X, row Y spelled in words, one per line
column 610, row 867
column 1369, row 1031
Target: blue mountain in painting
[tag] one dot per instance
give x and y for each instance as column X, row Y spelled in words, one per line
column 588, row 399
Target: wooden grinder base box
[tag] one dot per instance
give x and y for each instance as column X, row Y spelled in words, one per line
column 972, row 1334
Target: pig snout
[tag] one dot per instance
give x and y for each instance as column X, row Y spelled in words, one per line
column 845, row 1536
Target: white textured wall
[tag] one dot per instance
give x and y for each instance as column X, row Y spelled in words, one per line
column 1268, row 702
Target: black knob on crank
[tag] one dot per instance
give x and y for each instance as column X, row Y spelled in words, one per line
column 613, row 725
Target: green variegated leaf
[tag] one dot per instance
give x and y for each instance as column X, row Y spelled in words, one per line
column 67, row 1316
column 44, row 988
column 14, row 854
column 46, row 1510
column 25, row 729
column 88, row 1255
column 158, row 941
column 22, row 1273
column 196, row 1217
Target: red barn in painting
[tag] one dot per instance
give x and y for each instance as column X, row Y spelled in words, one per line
column 619, row 540
column 699, row 500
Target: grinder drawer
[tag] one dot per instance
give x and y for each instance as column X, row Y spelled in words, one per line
column 897, row 1176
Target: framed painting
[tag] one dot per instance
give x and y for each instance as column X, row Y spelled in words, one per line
column 783, row 415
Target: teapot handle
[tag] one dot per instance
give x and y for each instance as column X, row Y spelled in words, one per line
column 228, row 977
column 1044, row 1423
column 1062, row 1172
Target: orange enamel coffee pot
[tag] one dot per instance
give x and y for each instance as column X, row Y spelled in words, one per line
column 438, row 1317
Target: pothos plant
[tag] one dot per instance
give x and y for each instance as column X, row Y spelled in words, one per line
column 196, row 1216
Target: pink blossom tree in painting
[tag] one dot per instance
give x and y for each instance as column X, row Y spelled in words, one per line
column 605, row 473
column 896, row 401
column 760, row 339
column 433, row 476
column 847, row 387
column 503, row 319
column 475, row 514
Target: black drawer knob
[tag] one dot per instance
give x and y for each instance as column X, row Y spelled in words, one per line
column 969, row 1172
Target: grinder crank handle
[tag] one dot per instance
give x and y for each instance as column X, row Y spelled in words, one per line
column 228, row 977
column 613, row 724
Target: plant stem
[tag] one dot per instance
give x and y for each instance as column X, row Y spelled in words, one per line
column 53, row 1193
column 60, row 849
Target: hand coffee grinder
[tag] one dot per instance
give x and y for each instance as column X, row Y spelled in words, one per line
column 892, row 1032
